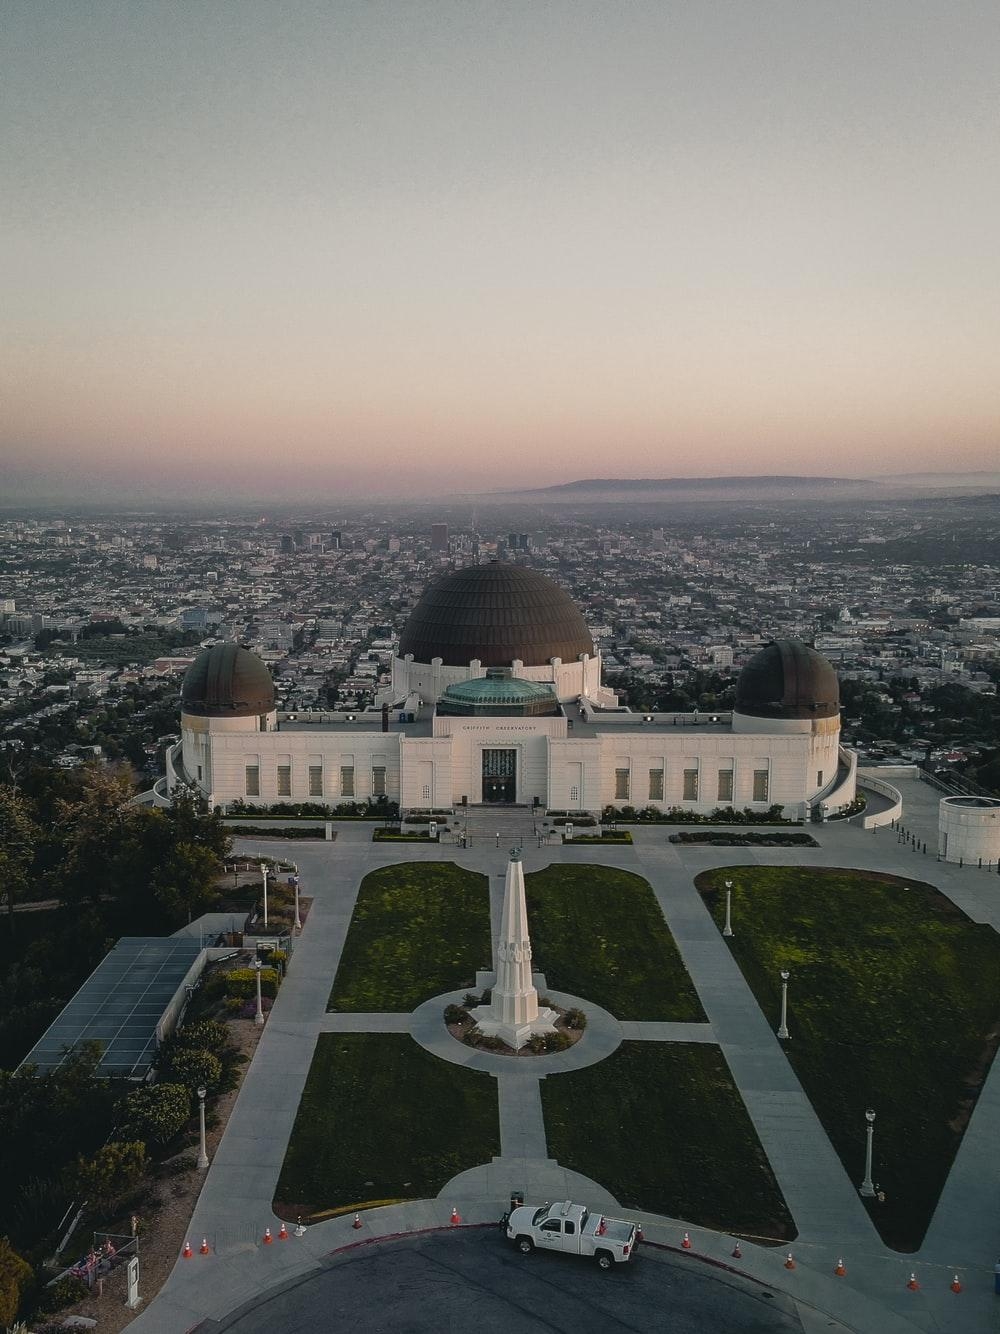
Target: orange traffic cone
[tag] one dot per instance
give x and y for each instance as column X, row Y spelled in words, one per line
column 357, row 1221
column 789, row 1263
column 203, row 1248
column 187, row 1251
column 686, row 1243
column 737, row 1252
column 913, row 1285
column 282, row 1233
column 456, row 1217
column 840, row 1269
column 267, row 1236
column 956, row 1285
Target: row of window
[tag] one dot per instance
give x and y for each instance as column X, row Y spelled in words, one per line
column 690, row 785
column 283, row 780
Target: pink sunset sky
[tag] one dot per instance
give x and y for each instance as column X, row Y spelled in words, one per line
column 310, row 248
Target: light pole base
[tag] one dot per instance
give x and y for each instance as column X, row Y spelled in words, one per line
column 202, row 1161
column 783, row 1034
column 259, row 1020
column 727, row 930
column 866, row 1190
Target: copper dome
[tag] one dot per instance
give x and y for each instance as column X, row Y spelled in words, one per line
column 496, row 613
column 788, row 679
column 227, row 681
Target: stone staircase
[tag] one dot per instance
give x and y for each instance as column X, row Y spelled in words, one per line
column 516, row 825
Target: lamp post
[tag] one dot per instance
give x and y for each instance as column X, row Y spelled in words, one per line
column 783, row 1026
column 298, row 920
column 727, row 930
column 868, row 1186
column 202, row 1151
column 259, row 1016
column 264, row 869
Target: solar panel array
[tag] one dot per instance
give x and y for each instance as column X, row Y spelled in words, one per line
column 120, row 1005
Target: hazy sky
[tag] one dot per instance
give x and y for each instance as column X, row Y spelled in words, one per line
column 331, row 248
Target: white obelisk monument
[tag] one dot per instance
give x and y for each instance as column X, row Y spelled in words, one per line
column 513, row 1014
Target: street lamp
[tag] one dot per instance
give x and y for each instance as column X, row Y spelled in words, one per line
column 264, row 869
column 727, row 930
column 868, row 1186
column 298, row 919
column 783, row 1026
column 259, row 1016
column 202, row 1151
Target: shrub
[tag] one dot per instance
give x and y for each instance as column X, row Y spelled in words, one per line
column 556, row 1041
column 455, row 1014
column 536, row 1044
column 469, row 1000
column 208, row 1034
column 15, row 1276
column 575, row 1019
column 64, row 1292
column 156, row 1113
column 243, row 982
column 192, row 1067
column 113, row 1170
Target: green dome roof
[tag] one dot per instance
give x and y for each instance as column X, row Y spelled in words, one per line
column 498, row 692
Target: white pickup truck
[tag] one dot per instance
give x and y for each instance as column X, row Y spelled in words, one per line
column 572, row 1228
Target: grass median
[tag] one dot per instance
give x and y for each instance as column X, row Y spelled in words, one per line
column 892, row 1003
column 381, row 1120
column 598, row 932
column 419, row 929
column 662, row 1126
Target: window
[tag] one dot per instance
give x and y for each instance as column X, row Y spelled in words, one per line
column 253, row 780
column 347, row 780
column 760, row 784
column 819, row 777
column 199, row 773
column 656, row 784
column 315, row 780
column 570, row 1229
column 725, row 785
column 621, row 784
column 378, row 780
column 574, row 793
column 690, row 785
column 284, row 780
column 426, row 792
column 551, row 1225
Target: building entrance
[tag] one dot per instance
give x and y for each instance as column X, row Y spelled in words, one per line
column 499, row 777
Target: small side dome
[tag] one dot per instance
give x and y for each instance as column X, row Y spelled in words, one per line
column 788, row 679
column 227, row 681
column 501, row 693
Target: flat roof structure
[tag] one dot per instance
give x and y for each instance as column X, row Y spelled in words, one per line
column 122, row 1005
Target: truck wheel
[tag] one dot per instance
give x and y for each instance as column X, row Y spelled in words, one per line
column 525, row 1245
column 604, row 1259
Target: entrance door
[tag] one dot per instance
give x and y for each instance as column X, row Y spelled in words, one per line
column 499, row 776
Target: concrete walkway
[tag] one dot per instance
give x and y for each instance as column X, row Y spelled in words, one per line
column 235, row 1203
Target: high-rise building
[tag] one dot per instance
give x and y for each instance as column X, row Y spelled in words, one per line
column 287, row 545
column 335, row 541
column 439, row 537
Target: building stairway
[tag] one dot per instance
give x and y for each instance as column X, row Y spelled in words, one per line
column 515, row 825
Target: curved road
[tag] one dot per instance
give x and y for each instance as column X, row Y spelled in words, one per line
column 473, row 1280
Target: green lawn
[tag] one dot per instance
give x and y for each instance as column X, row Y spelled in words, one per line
column 382, row 1119
column 894, row 1002
column 662, row 1126
column 419, row 929
column 597, row 932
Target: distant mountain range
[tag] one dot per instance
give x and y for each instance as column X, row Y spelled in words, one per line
column 645, row 484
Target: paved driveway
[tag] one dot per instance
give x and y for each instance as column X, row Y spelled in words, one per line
column 473, row 1280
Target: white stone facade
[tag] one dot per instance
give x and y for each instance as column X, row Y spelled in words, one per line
column 969, row 830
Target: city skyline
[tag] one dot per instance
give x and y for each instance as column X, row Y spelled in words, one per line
column 425, row 249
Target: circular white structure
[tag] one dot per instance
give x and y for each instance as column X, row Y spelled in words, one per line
column 969, row 830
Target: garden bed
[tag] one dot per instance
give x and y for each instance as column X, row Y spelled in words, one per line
column 313, row 831
column 663, row 1127
column 609, row 836
column 382, row 1120
column 597, row 932
column 892, row 1003
column 402, row 836
column 750, row 839
column 569, row 1025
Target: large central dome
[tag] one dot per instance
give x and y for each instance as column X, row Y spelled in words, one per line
column 497, row 614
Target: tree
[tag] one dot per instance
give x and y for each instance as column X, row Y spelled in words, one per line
column 18, row 837
column 156, row 1113
column 15, row 1276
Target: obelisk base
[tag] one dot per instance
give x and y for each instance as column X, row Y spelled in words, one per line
column 515, row 1035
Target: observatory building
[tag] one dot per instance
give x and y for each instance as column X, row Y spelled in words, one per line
column 497, row 698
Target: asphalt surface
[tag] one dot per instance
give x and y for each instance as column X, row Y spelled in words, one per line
column 474, row 1280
